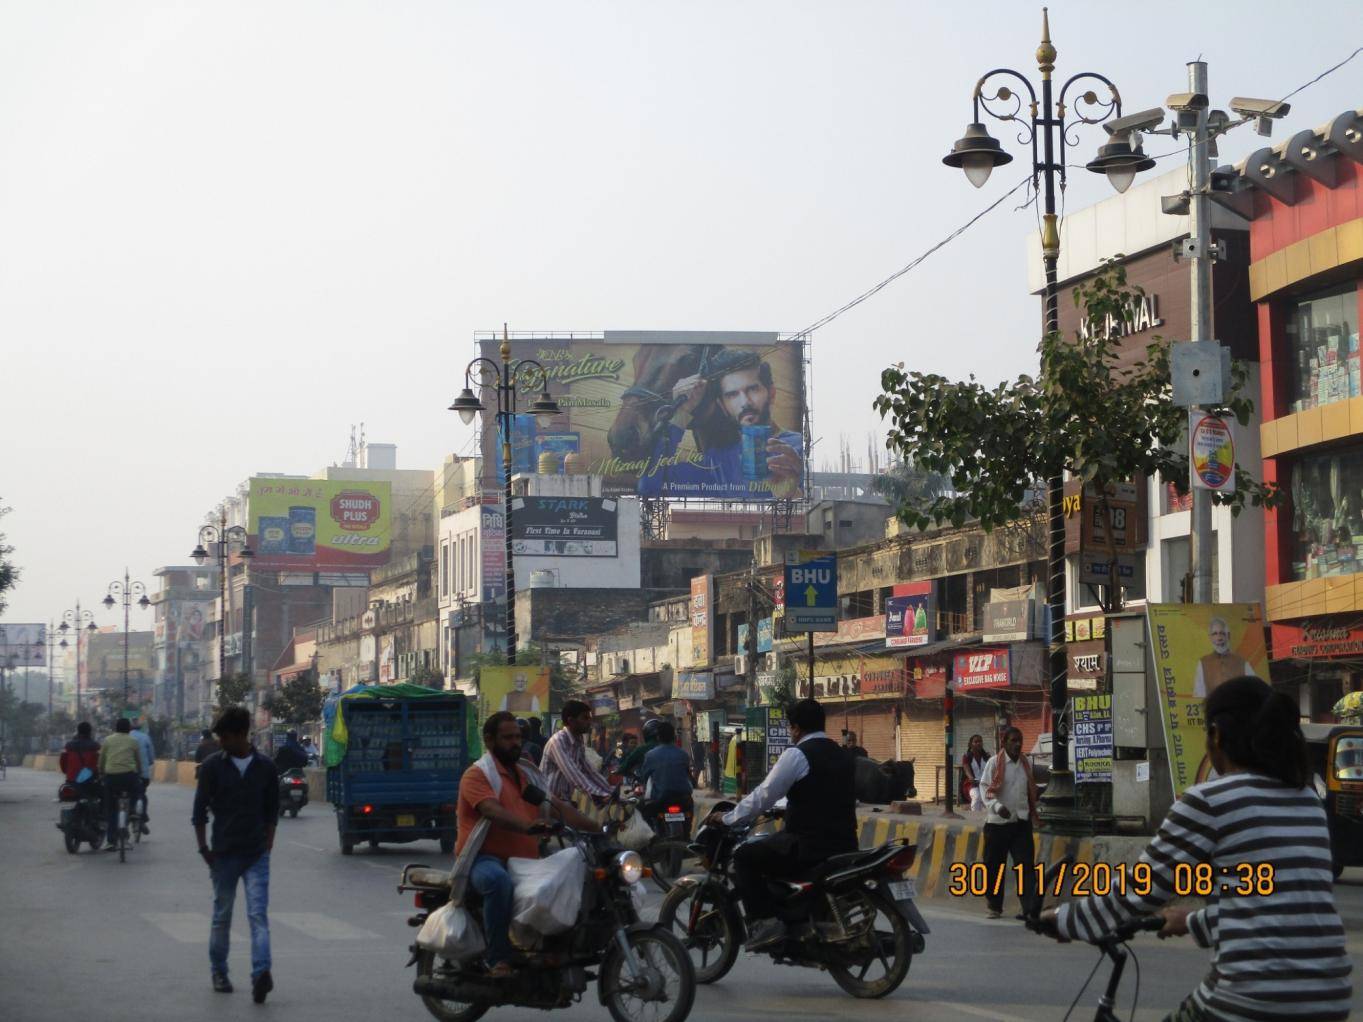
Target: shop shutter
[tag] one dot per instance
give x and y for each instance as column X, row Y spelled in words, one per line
column 921, row 739
column 874, row 725
column 973, row 717
column 1026, row 713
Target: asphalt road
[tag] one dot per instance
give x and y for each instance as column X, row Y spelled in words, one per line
column 87, row 937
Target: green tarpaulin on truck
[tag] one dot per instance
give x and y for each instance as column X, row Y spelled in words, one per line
column 337, row 737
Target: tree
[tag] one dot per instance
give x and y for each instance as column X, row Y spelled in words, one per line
column 298, row 700
column 1085, row 414
column 9, row 573
column 233, row 690
column 907, row 485
column 430, row 677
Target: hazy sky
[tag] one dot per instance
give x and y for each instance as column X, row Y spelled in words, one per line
column 229, row 230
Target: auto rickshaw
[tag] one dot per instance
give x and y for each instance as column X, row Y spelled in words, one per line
column 1337, row 758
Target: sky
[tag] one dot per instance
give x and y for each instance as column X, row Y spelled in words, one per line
column 231, row 230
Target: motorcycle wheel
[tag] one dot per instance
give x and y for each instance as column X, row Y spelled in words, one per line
column 888, row 944
column 72, row 842
column 668, row 859
column 97, row 842
column 662, row 954
column 714, row 941
column 446, row 1011
column 293, row 813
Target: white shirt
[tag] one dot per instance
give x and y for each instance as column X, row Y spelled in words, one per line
column 791, row 767
column 243, row 763
column 1013, row 792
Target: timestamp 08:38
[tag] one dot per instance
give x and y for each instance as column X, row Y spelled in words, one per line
column 1082, row 879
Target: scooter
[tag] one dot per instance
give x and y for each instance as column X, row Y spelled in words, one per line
column 293, row 792
column 83, row 819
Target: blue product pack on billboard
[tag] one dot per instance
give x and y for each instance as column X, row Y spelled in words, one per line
column 274, row 535
column 303, row 530
column 755, row 451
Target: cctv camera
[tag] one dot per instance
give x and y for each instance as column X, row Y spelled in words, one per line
column 1247, row 107
column 1143, row 121
column 1182, row 101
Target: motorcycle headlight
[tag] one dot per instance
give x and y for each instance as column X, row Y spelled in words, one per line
column 630, row 866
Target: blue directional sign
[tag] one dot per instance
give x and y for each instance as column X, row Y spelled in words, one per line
column 812, row 594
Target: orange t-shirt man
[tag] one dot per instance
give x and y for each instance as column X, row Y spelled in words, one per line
column 474, row 790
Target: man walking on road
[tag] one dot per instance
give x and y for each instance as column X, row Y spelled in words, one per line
column 240, row 788
column 120, row 767
column 1010, row 799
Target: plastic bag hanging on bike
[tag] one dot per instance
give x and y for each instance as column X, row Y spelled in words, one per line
column 636, row 833
column 548, row 894
column 451, row 932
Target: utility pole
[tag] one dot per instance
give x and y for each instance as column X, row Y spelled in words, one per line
column 1199, row 252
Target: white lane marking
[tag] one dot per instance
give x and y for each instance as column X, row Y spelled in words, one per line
column 311, row 848
column 965, row 1009
column 322, row 927
column 185, row 927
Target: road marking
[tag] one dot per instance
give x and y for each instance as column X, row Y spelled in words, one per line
column 322, row 927
column 311, row 848
column 965, row 1009
column 185, row 927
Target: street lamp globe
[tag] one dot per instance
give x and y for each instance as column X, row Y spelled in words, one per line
column 1120, row 162
column 199, row 554
column 977, row 153
column 91, row 627
column 144, row 603
column 246, row 551
column 467, row 405
column 544, row 408
column 108, row 601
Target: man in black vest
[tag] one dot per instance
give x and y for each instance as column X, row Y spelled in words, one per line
column 815, row 776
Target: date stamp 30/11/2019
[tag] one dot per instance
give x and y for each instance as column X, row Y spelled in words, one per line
column 1082, row 879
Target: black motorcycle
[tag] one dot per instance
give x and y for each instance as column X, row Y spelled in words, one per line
column 83, row 819
column 853, row 914
column 293, row 792
column 641, row 970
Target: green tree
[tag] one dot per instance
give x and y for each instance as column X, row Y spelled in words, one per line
column 428, row 676
column 233, row 690
column 1085, row 414
column 906, row 485
column 298, row 700
column 9, row 573
column 20, row 720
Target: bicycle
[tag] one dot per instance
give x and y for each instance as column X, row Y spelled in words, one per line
column 137, row 818
column 123, row 817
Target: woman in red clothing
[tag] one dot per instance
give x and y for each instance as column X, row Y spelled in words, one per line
column 80, row 752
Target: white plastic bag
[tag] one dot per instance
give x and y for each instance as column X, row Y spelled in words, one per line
column 636, row 833
column 451, row 933
column 548, row 894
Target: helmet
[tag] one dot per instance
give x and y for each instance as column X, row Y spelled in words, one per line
column 291, row 735
column 651, row 728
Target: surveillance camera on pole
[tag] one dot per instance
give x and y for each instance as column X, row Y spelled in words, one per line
column 1144, row 121
column 1262, row 111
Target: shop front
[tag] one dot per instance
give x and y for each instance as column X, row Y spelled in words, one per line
column 863, row 695
column 1320, row 660
column 922, row 730
column 1009, row 681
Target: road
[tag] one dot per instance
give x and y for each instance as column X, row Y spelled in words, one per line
column 87, row 937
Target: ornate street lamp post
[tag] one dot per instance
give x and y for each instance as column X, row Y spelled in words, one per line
column 222, row 536
column 125, row 591
column 72, row 620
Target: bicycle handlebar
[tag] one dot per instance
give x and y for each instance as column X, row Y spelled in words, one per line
column 1119, row 935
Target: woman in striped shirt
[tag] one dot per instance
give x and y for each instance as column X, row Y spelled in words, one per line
column 1279, row 955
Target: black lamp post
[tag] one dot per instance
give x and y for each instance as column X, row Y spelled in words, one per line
column 125, row 591
column 506, row 375
column 222, row 536
column 72, row 620
column 977, row 153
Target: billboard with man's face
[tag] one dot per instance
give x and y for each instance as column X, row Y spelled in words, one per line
column 711, row 415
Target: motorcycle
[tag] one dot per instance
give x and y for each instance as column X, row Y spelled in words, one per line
column 850, row 914
column 83, row 819
column 642, row 970
column 293, row 792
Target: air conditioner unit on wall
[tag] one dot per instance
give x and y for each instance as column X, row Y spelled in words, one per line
column 740, row 664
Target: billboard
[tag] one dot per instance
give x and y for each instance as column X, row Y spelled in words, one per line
column 909, row 616
column 523, row 690
column 702, row 620
column 982, row 668
column 1196, row 646
column 709, row 415
column 564, row 526
column 23, row 645
column 306, row 524
column 1092, row 737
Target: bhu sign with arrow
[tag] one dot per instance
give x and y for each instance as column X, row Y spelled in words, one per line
column 812, row 594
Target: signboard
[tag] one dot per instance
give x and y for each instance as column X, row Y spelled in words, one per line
column 1087, row 663
column 1312, row 639
column 523, row 690
column 697, row 685
column 1195, row 647
column 603, row 703
column 1091, row 738
column 777, row 734
column 927, row 677
column 909, row 616
column 307, row 524
column 564, row 526
column 764, row 636
column 855, row 679
column 981, row 669
column 1010, row 621
column 23, row 645
column 738, row 437
column 1096, row 567
column 812, row 594
column 1211, row 452
column 702, row 621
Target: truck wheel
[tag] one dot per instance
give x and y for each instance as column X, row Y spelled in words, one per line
column 347, row 847
column 446, row 845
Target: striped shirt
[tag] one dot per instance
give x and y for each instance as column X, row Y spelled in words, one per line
column 1278, row 955
column 566, row 769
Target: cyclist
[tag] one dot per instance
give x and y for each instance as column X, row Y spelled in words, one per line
column 666, row 775
column 148, row 754
column 1278, row 951
column 120, row 767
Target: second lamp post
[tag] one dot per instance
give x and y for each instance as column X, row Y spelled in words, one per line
column 125, row 591
column 222, row 536
column 506, row 375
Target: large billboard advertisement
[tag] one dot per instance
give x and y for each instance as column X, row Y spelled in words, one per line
column 564, row 526
column 23, row 645
column 1197, row 646
column 308, row 524
column 710, row 415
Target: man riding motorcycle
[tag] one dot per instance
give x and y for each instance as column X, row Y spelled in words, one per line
column 81, row 753
column 815, row 776
column 496, row 788
column 291, row 755
column 635, row 759
column 665, row 774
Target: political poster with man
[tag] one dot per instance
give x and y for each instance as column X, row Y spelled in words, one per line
column 523, row 690
column 1195, row 647
column 713, row 415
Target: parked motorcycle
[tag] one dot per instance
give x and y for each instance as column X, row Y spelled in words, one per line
column 83, row 819
column 642, row 971
column 853, row 914
column 293, row 792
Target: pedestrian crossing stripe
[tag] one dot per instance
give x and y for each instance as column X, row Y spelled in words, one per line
column 193, row 927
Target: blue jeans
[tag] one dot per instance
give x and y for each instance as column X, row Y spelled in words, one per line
column 494, row 885
column 254, row 872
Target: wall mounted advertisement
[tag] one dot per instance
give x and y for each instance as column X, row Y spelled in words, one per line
column 1091, row 737
column 980, row 669
column 564, row 526
column 910, row 615
column 23, row 645
column 307, row 524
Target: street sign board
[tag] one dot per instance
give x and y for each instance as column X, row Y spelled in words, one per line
column 1095, row 568
column 812, row 593
column 1211, row 452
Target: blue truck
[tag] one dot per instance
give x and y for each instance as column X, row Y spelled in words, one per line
column 394, row 757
